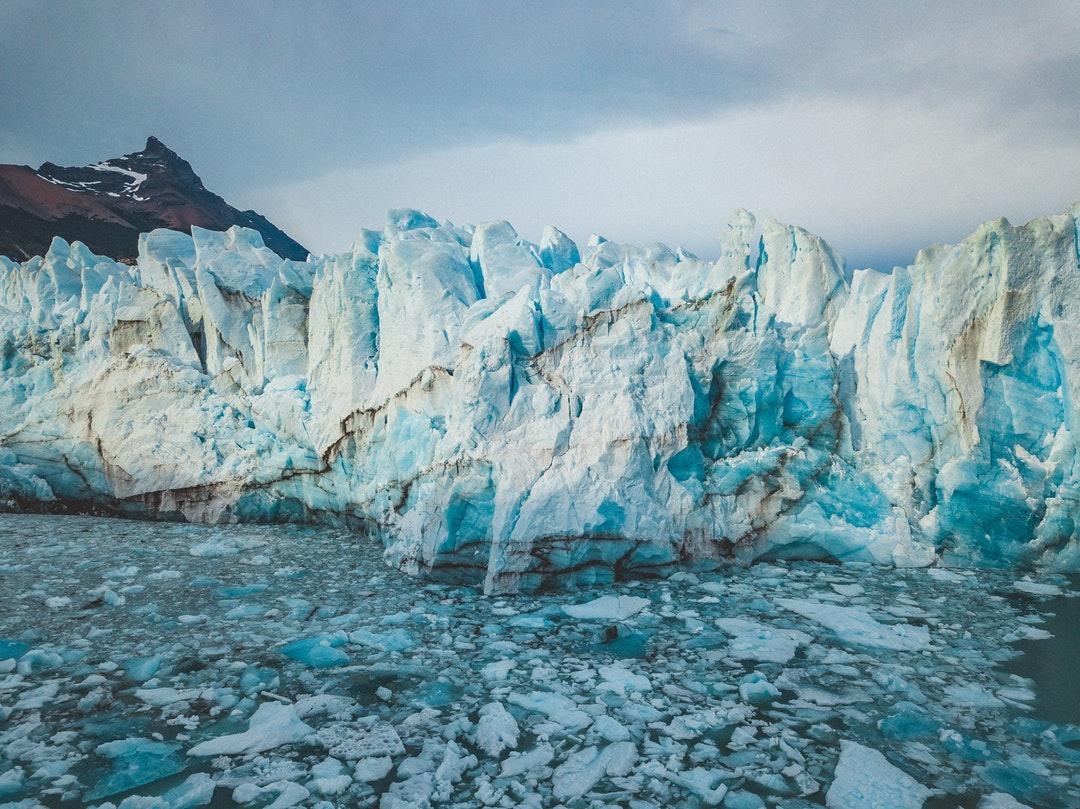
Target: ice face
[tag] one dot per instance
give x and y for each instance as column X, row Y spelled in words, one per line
column 526, row 415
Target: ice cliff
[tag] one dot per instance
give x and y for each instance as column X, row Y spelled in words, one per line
column 524, row 415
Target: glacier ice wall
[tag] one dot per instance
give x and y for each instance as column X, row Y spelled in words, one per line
column 523, row 415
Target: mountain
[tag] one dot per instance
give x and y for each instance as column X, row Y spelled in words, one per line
column 107, row 205
column 527, row 415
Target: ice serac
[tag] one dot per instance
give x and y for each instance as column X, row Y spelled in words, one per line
column 527, row 415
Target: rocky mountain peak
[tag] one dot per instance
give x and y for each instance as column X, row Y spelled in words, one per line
column 107, row 204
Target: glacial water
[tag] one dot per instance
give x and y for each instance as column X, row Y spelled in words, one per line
column 169, row 665
column 1052, row 663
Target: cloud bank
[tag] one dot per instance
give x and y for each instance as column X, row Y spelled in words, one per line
column 881, row 127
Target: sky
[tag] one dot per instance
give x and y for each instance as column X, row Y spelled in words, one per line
column 882, row 127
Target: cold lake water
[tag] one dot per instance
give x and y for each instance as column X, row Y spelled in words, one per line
column 166, row 665
column 1048, row 661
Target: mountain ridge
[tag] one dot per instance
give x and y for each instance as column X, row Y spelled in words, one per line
column 106, row 205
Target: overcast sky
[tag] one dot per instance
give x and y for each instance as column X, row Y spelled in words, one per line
column 881, row 126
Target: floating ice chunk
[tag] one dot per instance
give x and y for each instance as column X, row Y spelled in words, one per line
column 1017, row 694
column 373, row 768
column 11, row 781
column 319, row 652
column 1036, row 588
column 497, row 671
column 607, row 608
column 685, row 726
column 750, row 640
column 247, row 793
column 323, row 704
column 497, row 730
column 412, row 793
column 214, row 549
column 241, row 590
column 848, row 590
column 972, row 695
column 196, row 790
column 39, row 660
column 907, row 722
column 54, row 769
column 57, row 602
column 559, row 709
column 454, row 765
column 757, row 690
column 272, row 725
column 160, row 697
column 396, row 640
column 906, row 611
column 705, row 784
column 941, row 574
column 351, row 743
column 108, row 596
column 38, row 697
column 855, row 627
column 259, row 678
column 242, row 611
column 610, row 729
column 329, row 777
column 1000, row 800
column 289, row 793
column 1025, row 632
column 13, row 649
column 864, row 779
column 532, row 620
column 141, row 669
column 135, row 801
column 584, row 768
column 126, row 572
column 743, row 800
column 135, row 762
column 530, row 760
column 621, row 680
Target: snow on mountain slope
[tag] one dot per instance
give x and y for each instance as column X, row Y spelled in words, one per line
column 529, row 415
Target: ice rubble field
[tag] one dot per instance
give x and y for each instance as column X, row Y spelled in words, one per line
column 170, row 665
column 516, row 414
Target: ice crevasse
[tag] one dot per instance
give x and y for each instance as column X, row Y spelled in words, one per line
column 526, row 415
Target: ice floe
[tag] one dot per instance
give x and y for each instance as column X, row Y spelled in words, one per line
column 778, row 685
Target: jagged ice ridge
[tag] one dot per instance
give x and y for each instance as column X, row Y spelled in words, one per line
column 526, row 415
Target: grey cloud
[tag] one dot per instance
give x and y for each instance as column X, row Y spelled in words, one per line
column 318, row 84
column 262, row 96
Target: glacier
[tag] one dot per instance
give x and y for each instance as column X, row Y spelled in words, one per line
column 525, row 416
